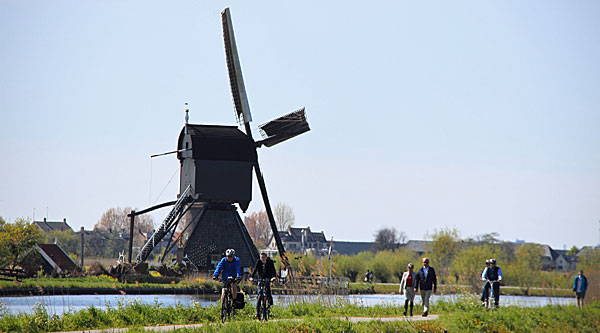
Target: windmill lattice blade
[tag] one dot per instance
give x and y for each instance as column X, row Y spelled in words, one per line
column 236, row 81
column 284, row 128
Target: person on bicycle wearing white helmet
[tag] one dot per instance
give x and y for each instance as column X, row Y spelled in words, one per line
column 485, row 291
column 494, row 275
column 231, row 266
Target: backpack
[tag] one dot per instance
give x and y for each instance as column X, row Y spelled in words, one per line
column 239, row 301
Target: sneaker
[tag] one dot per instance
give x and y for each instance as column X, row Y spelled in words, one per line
column 425, row 314
column 404, row 313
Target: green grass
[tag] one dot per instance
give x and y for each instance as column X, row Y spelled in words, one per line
column 464, row 315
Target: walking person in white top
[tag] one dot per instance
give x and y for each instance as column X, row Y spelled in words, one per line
column 407, row 287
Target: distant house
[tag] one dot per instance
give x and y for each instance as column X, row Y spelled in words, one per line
column 49, row 258
column 301, row 240
column 351, row 248
column 48, row 226
column 418, row 246
column 558, row 260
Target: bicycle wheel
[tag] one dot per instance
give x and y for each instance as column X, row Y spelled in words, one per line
column 224, row 309
column 263, row 309
column 259, row 307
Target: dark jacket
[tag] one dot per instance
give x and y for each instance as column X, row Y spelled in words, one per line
column 264, row 271
column 426, row 283
column 584, row 283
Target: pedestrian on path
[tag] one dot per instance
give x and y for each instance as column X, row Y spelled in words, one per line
column 580, row 284
column 427, row 282
column 407, row 287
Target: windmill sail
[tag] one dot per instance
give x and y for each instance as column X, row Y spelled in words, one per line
column 283, row 128
column 236, row 81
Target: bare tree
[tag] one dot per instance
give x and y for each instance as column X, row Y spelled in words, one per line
column 115, row 219
column 259, row 228
column 284, row 216
column 388, row 239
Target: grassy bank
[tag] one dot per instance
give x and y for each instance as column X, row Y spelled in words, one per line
column 465, row 315
column 103, row 285
column 109, row 285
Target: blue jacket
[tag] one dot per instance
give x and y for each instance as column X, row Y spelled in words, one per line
column 584, row 283
column 233, row 268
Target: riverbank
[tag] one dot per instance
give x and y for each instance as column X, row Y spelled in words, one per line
column 393, row 288
column 105, row 285
column 466, row 315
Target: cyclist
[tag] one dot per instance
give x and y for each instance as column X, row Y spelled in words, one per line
column 494, row 274
column 265, row 268
column 485, row 291
column 231, row 266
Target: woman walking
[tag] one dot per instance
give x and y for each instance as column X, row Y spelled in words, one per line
column 407, row 287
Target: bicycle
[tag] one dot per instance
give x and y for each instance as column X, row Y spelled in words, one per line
column 491, row 299
column 263, row 309
column 227, row 308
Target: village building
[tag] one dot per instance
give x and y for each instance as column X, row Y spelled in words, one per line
column 300, row 240
column 49, row 226
column 48, row 259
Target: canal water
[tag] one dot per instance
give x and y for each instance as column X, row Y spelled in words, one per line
column 73, row 303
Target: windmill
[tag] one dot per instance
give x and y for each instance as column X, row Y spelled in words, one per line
column 216, row 172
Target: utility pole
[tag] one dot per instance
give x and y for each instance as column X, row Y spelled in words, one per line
column 82, row 232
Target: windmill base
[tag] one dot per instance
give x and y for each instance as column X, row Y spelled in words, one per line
column 213, row 228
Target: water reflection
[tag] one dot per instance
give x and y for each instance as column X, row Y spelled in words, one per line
column 61, row 304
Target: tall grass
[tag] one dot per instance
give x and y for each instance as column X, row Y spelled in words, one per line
column 464, row 315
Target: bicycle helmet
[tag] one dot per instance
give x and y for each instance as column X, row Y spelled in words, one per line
column 492, row 261
column 411, row 265
column 230, row 252
column 487, row 261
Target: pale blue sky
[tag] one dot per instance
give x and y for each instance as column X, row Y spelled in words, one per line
column 484, row 116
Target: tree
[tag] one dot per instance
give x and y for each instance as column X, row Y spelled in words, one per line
column 259, row 228
column 388, row 239
column 15, row 239
column 572, row 251
column 68, row 240
column 589, row 259
column 445, row 245
column 469, row 262
column 284, row 216
column 529, row 260
column 489, row 238
column 351, row 266
column 115, row 219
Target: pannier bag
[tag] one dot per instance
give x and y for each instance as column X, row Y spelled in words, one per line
column 239, row 302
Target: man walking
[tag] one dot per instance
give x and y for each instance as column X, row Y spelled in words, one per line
column 580, row 285
column 426, row 280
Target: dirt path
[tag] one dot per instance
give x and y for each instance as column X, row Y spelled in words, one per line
column 167, row 328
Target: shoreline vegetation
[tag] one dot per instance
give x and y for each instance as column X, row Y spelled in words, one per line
column 105, row 285
column 465, row 315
